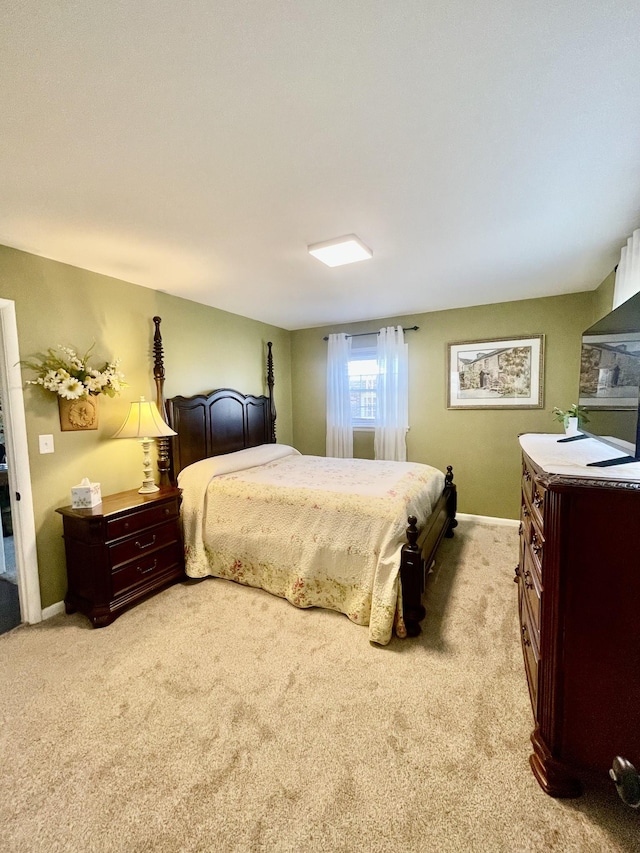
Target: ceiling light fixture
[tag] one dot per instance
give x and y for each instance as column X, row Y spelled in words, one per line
column 341, row 250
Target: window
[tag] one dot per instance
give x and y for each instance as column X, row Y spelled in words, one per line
column 363, row 382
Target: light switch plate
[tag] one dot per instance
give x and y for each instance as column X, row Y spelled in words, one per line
column 46, row 443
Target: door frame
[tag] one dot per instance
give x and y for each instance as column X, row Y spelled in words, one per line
column 22, row 517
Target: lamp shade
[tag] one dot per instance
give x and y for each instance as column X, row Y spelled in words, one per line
column 143, row 421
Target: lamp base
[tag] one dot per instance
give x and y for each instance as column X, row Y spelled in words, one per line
column 148, row 485
column 148, row 488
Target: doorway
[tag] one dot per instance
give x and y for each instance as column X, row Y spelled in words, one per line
column 19, row 583
column 10, row 616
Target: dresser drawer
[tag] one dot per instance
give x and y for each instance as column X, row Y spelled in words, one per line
column 530, row 650
column 532, row 590
column 148, row 516
column 146, row 569
column 143, row 543
column 534, row 541
column 538, row 497
column 528, row 475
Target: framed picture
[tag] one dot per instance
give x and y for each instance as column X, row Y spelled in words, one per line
column 610, row 371
column 496, row 374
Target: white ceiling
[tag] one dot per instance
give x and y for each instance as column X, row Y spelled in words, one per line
column 484, row 150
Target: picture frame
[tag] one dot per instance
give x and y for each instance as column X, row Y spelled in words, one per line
column 496, row 373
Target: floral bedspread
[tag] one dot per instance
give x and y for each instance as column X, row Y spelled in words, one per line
column 317, row 531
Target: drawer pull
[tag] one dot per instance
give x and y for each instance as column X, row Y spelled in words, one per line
column 520, row 529
column 525, row 512
column 147, row 570
column 142, row 546
column 528, row 583
column 527, row 475
column 537, row 501
column 517, row 577
column 525, row 636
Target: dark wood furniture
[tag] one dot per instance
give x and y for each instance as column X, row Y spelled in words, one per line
column 120, row 551
column 225, row 421
column 579, row 605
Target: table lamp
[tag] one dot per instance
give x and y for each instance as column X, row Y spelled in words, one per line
column 145, row 423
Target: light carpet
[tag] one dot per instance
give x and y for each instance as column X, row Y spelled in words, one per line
column 214, row 717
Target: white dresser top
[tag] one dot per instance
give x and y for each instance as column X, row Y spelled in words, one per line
column 571, row 458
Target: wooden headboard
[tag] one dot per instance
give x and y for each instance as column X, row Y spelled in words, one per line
column 221, row 421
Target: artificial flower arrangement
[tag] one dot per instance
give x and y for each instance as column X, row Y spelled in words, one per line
column 69, row 376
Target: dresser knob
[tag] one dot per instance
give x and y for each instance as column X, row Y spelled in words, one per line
column 525, row 636
column 517, row 577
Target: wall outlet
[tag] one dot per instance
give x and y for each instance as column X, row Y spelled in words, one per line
column 46, row 443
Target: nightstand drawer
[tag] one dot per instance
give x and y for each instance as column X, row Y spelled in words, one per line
column 135, row 521
column 145, row 542
column 146, row 569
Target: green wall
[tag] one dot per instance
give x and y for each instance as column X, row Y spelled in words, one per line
column 204, row 349
column 481, row 445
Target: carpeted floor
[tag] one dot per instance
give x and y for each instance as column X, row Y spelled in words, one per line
column 214, row 717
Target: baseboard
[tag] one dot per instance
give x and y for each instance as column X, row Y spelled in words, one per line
column 53, row 610
column 487, row 519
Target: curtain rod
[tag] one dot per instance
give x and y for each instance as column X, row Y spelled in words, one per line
column 363, row 334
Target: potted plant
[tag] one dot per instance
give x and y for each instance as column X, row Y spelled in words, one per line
column 572, row 418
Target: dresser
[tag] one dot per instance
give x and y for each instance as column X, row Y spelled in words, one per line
column 578, row 582
column 120, row 551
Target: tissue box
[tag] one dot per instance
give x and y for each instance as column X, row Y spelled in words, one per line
column 85, row 495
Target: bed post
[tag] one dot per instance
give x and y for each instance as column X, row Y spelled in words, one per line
column 158, row 375
column 417, row 558
column 452, row 502
column 270, row 384
column 412, row 579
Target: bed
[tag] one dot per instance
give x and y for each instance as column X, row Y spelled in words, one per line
column 352, row 535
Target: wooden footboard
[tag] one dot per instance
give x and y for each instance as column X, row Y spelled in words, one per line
column 419, row 553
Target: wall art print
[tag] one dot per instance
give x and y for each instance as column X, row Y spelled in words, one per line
column 504, row 373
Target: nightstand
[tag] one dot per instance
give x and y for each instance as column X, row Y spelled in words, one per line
column 120, row 551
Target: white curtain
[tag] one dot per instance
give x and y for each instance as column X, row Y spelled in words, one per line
column 339, row 430
column 628, row 272
column 392, row 419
